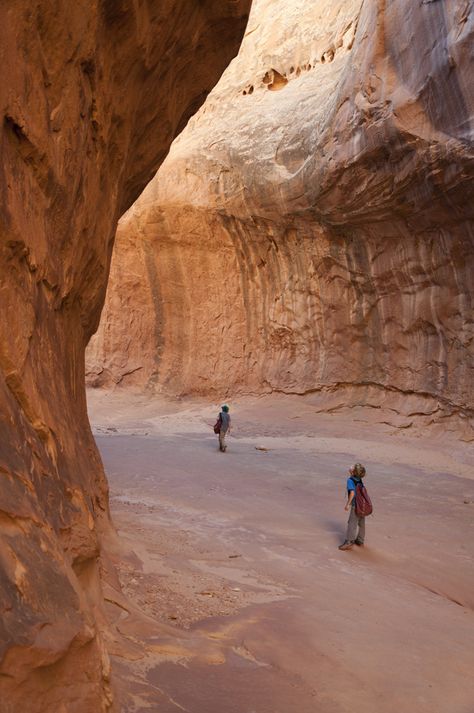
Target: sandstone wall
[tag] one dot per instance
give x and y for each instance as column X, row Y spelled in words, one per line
column 311, row 229
column 92, row 94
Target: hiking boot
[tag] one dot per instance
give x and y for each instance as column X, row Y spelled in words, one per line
column 346, row 545
column 359, row 543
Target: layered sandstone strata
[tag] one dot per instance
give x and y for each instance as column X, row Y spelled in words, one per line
column 311, row 229
column 92, row 94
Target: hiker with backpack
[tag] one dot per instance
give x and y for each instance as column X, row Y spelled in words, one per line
column 222, row 427
column 358, row 502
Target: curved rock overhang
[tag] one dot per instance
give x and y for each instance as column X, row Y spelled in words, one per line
column 92, row 95
column 311, row 229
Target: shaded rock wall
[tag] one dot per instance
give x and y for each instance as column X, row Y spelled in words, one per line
column 92, row 94
column 311, row 228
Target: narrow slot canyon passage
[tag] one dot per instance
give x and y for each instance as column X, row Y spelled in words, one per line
column 237, row 598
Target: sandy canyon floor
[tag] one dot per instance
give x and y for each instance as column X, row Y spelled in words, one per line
column 236, row 598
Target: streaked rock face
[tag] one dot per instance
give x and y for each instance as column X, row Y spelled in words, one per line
column 92, row 94
column 311, row 229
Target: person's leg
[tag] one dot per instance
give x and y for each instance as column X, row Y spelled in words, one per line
column 350, row 532
column 222, row 445
column 351, row 526
column 361, row 536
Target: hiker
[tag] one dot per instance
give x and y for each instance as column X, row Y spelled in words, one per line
column 222, row 427
column 359, row 508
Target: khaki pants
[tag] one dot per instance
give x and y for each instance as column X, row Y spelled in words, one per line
column 222, row 445
column 355, row 527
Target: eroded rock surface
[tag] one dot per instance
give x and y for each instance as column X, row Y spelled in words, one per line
column 92, row 94
column 311, row 228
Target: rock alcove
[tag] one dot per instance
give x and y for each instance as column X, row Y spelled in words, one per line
column 317, row 238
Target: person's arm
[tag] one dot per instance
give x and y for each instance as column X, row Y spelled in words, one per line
column 350, row 499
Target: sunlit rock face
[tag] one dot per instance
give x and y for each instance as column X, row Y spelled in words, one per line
column 92, row 94
column 311, row 228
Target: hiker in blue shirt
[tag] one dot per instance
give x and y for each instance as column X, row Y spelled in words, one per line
column 355, row 534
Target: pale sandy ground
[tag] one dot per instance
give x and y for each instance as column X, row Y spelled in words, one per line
column 237, row 598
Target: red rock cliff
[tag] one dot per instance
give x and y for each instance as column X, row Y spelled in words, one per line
column 92, row 94
column 311, row 229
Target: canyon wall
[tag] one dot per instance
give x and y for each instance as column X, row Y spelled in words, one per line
column 311, row 229
column 92, row 95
